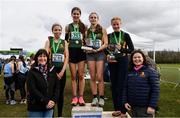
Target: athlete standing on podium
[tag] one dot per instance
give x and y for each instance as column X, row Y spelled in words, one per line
column 119, row 46
column 75, row 33
column 96, row 37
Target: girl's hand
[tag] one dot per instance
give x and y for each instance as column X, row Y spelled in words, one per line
column 60, row 75
column 118, row 46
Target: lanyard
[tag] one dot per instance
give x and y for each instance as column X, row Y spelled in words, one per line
column 118, row 41
column 93, row 36
column 76, row 29
column 55, row 48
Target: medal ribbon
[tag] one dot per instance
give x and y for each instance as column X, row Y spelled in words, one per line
column 118, row 41
column 93, row 36
column 55, row 48
column 76, row 29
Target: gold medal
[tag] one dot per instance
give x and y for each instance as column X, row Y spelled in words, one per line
column 77, row 42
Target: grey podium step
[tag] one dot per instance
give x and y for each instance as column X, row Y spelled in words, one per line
column 86, row 111
column 91, row 112
column 108, row 114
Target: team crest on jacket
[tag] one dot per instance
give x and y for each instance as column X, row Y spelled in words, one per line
column 141, row 74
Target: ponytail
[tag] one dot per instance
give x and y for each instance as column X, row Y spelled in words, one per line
column 98, row 28
column 82, row 27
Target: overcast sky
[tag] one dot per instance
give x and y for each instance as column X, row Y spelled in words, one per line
column 27, row 23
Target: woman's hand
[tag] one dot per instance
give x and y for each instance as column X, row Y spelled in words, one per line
column 50, row 104
column 150, row 110
column 127, row 106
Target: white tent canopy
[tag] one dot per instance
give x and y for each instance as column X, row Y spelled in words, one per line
column 139, row 42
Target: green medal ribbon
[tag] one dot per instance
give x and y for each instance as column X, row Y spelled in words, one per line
column 76, row 29
column 93, row 36
column 76, row 33
column 118, row 41
column 55, row 48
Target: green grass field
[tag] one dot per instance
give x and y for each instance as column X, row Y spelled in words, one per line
column 169, row 102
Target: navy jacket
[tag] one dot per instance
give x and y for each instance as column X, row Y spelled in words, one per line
column 142, row 88
column 40, row 90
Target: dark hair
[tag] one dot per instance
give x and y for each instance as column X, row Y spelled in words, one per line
column 131, row 64
column 56, row 24
column 76, row 8
column 21, row 57
column 13, row 58
column 82, row 27
column 97, row 30
column 40, row 52
column 32, row 56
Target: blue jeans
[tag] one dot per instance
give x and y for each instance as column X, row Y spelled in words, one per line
column 41, row 114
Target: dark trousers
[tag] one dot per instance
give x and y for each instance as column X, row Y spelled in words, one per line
column 62, row 83
column 139, row 112
column 21, row 83
column 9, row 87
column 118, row 75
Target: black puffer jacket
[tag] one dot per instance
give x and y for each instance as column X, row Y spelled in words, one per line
column 40, row 90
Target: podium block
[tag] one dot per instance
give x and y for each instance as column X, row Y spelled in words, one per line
column 86, row 111
column 108, row 114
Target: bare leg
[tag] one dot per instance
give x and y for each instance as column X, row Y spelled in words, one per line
column 73, row 78
column 92, row 71
column 81, row 71
column 100, row 68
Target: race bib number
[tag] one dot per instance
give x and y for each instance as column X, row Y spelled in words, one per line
column 76, row 36
column 57, row 57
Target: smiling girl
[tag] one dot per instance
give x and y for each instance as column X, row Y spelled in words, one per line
column 75, row 33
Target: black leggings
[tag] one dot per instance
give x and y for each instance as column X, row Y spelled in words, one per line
column 9, row 87
column 62, row 83
column 118, row 75
column 21, row 82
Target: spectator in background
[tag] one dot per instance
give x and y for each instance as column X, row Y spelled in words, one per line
column 31, row 61
column 9, row 81
column 0, row 66
column 42, row 87
column 142, row 89
column 21, row 78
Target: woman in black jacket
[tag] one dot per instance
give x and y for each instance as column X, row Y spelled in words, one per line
column 42, row 89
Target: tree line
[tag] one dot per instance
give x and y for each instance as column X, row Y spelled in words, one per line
column 166, row 56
